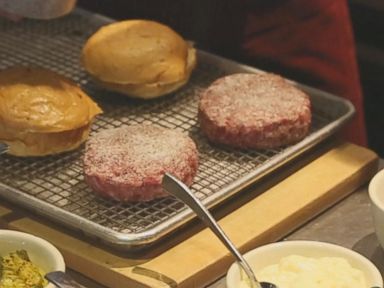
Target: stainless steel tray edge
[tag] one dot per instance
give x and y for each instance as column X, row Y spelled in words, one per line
column 129, row 241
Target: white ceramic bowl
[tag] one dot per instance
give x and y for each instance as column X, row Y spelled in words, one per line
column 41, row 252
column 272, row 253
column 376, row 195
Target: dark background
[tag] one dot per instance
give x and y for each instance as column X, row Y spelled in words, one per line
column 368, row 24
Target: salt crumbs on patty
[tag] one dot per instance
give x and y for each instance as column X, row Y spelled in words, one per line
column 128, row 163
column 254, row 111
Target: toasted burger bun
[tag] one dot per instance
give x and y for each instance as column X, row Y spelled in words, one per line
column 42, row 112
column 139, row 58
column 153, row 90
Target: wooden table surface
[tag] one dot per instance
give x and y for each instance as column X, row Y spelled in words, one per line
column 314, row 187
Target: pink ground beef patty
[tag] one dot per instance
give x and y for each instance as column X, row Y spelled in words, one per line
column 254, row 111
column 128, row 163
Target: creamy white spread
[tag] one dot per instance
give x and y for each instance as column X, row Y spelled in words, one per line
column 302, row 272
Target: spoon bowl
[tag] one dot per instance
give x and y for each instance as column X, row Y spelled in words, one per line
column 175, row 187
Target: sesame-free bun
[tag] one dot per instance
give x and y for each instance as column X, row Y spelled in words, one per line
column 42, row 112
column 139, row 58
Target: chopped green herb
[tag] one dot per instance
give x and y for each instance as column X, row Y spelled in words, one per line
column 17, row 271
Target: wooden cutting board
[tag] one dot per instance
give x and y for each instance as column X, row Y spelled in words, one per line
column 193, row 257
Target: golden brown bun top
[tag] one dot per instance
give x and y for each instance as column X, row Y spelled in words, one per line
column 39, row 100
column 136, row 52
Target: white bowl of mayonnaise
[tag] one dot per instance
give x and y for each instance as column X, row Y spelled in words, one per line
column 307, row 264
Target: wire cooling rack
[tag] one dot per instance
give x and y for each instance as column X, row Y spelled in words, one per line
column 54, row 186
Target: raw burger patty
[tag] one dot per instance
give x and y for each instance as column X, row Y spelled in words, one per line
column 128, row 163
column 257, row 111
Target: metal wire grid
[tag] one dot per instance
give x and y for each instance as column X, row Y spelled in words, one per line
column 58, row 180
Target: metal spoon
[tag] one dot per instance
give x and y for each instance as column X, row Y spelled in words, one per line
column 62, row 280
column 3, row 148
column 177, row 188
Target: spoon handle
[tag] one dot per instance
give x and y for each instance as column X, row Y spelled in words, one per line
column 62, row 280
column 181, row 191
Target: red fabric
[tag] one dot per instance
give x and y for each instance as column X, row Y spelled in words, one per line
column 312, row 41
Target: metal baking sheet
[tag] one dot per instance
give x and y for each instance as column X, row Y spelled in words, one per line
column 53, row 186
